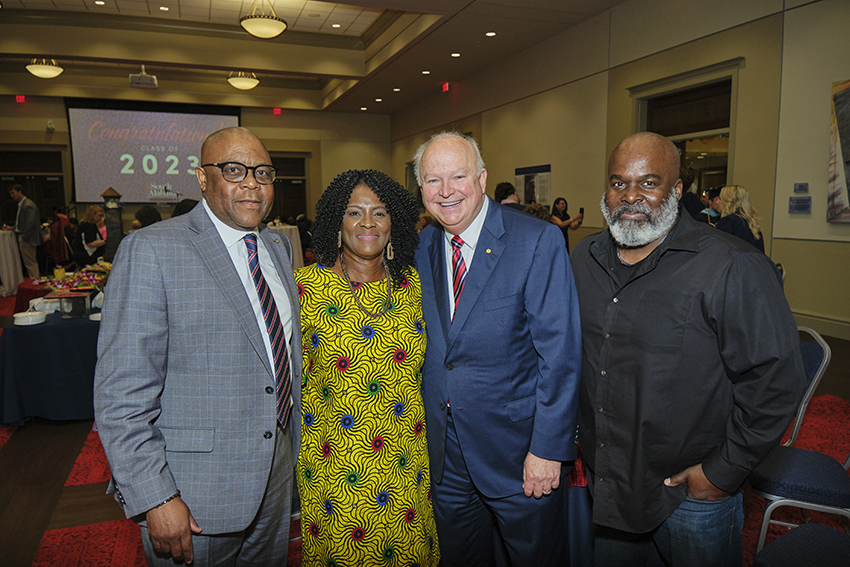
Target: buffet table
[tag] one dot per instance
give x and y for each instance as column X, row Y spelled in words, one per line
column 47, row 370
column 11, row 273
column 28, row 290
column 291, row 232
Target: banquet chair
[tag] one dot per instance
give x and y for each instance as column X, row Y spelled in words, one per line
column 791, row 476
column 806, row 546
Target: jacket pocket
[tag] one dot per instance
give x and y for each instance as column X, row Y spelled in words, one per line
column 188, row 440
column 522, row 409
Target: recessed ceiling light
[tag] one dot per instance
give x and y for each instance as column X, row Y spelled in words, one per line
column 455, row 54
column 314, row 15
column 395, row 90
column 99, row 2
column 335, row 25
column 426, row 72
column 379, row 100
column 163, row 8
column 362, row 108
column 490, row 34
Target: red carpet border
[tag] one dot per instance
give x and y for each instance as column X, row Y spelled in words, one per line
column 5, row 434
column 108, row 544
column 91, row 466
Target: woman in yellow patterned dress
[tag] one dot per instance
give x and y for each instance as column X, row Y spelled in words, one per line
column 363, row 470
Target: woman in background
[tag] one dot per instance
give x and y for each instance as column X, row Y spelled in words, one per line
column 88, row 244
column 363, row 471
column 561, row 218
column 738, row 217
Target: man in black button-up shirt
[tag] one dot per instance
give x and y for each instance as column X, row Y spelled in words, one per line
column 691, row 368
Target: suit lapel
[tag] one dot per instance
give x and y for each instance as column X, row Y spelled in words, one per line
column 213, row 253
column 487, row 253
column 437, row 257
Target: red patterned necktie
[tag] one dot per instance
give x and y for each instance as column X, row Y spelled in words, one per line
column 458, row 269
column 283, row 379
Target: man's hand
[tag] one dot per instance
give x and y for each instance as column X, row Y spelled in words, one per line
column 699, row 487
column 540, row 476
column 171, row 527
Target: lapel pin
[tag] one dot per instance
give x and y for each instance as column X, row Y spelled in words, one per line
column 276, row 240
column 488, row 250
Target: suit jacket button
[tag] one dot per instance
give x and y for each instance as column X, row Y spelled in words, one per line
column 442, row 406
column 267, row 435
column 269, row 390
column 449, row 366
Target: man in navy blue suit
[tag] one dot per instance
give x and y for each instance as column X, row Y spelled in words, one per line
column 502, row 365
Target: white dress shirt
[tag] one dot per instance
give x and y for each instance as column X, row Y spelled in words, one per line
column 470, row 241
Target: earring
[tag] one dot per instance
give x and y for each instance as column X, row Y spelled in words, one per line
column 339, row 239
column 389, row 251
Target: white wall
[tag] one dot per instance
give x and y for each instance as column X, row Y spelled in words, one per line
column 816, row 53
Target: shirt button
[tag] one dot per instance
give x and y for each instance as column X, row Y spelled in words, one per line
column 602, row 445
column 616, row 300
column 603, row 372
column 442, row 406
column 267, row 435
column 269, row 390
column 449, row 366
column 600, row 409
column 607, row 335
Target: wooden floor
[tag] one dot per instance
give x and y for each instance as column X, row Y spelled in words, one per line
column 36, row 461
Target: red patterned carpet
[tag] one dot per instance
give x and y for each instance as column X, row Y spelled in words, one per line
column 108, row 544
column 5, row 433
column 91, row 466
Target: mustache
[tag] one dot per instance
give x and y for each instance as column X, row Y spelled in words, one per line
column 632, row 209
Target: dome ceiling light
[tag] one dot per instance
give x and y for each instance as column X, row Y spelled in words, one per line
column 44, row 68
column 262, row 25
column 243, row 80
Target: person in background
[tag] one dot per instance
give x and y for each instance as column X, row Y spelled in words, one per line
column 363, row 476
column 88, row 244
column 423, row 222
column 197, row 391
column 305, row 227
column 711, row 213
column 690, row 200
column 563, row 221
column 147, row 215
column 506, row 195
column 691, row 369
column 28, row 229
column 539, row 210
column 738, row 217
column 183, row 207
column 501, row 371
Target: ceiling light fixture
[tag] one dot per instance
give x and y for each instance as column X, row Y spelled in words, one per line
column 335, row 25
column 490, row 34
column 262, row 25
column 99, row 2
column 362, row 108
column 426, row 72
column 455, row 54
column 396, row 90
column 243, row 80
column 379, row 100
column 44, row 68
column 163, row 8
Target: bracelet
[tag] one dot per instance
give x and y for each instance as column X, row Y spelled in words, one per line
column 167, row 500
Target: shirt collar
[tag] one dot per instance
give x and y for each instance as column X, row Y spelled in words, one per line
column 229, row 235
column 473, row 231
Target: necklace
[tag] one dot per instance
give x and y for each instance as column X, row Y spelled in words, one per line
column 365, row 311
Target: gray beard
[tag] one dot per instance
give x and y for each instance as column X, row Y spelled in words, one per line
column 634, row 234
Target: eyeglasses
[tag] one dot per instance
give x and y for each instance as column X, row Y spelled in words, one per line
column 235, row 172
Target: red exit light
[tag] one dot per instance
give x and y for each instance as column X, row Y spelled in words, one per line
column 20, row 98
column 445, row 87
column 276, row 111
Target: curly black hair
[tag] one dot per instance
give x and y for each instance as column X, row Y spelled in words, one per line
column 400, row 204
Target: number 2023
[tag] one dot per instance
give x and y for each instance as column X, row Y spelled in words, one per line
column 150, row 164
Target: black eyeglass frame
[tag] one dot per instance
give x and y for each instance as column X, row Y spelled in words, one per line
column 253, row 171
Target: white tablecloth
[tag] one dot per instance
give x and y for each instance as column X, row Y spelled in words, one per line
column 291, row 232
column 10, row 263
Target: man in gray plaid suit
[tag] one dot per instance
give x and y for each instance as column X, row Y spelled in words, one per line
column 197, row 389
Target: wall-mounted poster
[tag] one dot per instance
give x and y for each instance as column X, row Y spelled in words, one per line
column 838, row 203
column 532, row 183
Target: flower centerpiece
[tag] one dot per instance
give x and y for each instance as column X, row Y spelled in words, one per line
column 91, row 277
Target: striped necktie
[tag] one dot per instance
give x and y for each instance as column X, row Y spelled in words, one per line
column 283, row 379
column 458, row 269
